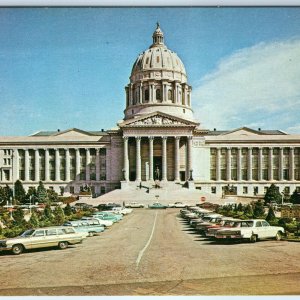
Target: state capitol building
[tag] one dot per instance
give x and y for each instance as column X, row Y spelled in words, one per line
column 157, row 140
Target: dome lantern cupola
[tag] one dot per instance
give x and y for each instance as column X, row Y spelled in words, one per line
column 158, row 82
column 158, row 36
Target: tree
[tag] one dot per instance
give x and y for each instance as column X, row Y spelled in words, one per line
column 295, row 197
column 59, row 216
column 41, row 193
column 248, row 211
column 271, row 215
column 258, row 211
column 240, row 207
column 273, row 194
column 48, row 215
column 18, row 216
column 20, row 194
column 52, row 196
column 34, row 220
column 68, row 210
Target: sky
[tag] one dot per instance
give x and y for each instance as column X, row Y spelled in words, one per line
column 67, row 67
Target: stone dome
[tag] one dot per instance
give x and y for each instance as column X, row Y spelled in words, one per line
column 158, row 82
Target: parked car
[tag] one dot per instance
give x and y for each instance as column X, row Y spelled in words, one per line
column 178, row 205
column 225, row 223
column 135, row 205
column 104, row 223
column 85, row 227
column 251, row 230
column 157, row 205
column 107, row 216
column 122, row 210
column 59, row 237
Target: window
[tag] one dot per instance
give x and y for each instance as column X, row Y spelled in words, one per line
column 170, row 96
column 51, row 232
column 255, row 190
column 39, row 233
column 285, row 174
column 258, row 224
column 265, row 223
column 157, row 59
column 146, row 95
column 245, row 190
column 102, row 190
column 213, row 190
column 158, row 97
column 72, row 190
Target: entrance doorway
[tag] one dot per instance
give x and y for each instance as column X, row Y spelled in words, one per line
column 157, row 167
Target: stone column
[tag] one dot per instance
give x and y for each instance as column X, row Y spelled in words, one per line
column 16, row 165
column 130, row 94
column 67, row 165
column 185, row 94
column 57, row 165
column 175, row 93
column 36, row 165
column 249, row 165
column 78, row 164
column 260, row 175
column 47, row 178
column 150, row 92
column 239, row 164
column 177, row 158
column 228, row 164
column 281, row 163
column 189, row 156
column 164, row 158
column 270, row 163
column 87, row 164
column 98, row 164
column 26, row 165
column 165, row 93
column 138, row 158
column 151, row 138
column 218, row 164
column 126, row 160
column 141, row 93
column 291, row 164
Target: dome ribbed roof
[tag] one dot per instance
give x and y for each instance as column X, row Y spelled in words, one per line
column 158, row 57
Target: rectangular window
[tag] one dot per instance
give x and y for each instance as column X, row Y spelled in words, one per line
column 72, row 189
column 223, row 174
column 233, row 174
column 213, row 190
column 285, row 174
column 265, row 174
column 275, row 174
column 102, row 190
column 245, row 190
column 244, row 174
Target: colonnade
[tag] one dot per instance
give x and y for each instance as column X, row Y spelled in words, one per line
column 164, row 157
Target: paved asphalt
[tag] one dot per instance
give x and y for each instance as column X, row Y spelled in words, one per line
column 153, row 252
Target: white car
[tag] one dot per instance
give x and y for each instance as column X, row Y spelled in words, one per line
column 178, row 205
column 122, row 210
column 105, row 223
column 251, row 230
column 135, row 205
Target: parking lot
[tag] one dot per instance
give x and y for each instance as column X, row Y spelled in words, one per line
column 153, row 252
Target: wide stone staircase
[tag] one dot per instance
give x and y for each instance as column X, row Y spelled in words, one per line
column 147, row 193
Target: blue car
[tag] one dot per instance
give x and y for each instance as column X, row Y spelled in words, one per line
column 84, row 226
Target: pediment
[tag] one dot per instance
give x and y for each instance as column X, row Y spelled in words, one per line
column 157, row 120
column 74, row 132
column 244, row 131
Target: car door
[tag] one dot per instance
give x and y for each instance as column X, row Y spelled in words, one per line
column 268, row 232
column 259, row 230
column 52, row 237
column 38, row 239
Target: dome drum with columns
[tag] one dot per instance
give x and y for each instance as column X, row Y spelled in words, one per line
column 158, row 82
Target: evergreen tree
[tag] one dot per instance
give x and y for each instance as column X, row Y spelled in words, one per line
column 48, row 215
column 273, row 194
column 68, row 210
column 42, row 193
column 59, row 216
column 18, row 216
column 31, row 193
column 20, row 194
column 258, row 211
column 271, row 215
column 52, row 196
column 295, row 197
column 248, row 211
column 240, row 207
column 34, row 220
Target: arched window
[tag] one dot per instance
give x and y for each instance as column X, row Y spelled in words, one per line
column 170, row 95
column 146, row 95
column 158, row 96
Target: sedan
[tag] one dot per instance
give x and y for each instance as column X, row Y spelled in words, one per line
column 157, row 205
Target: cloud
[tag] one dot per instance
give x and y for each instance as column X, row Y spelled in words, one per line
column 257, row 86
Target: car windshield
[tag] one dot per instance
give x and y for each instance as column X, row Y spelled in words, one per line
column 27, row 233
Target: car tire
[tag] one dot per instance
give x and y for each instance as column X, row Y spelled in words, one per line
column 63, row 245
column 17, row 249
column 278, row 236
column 253, row 238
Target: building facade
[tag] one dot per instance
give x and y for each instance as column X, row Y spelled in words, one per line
column 158, row 140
